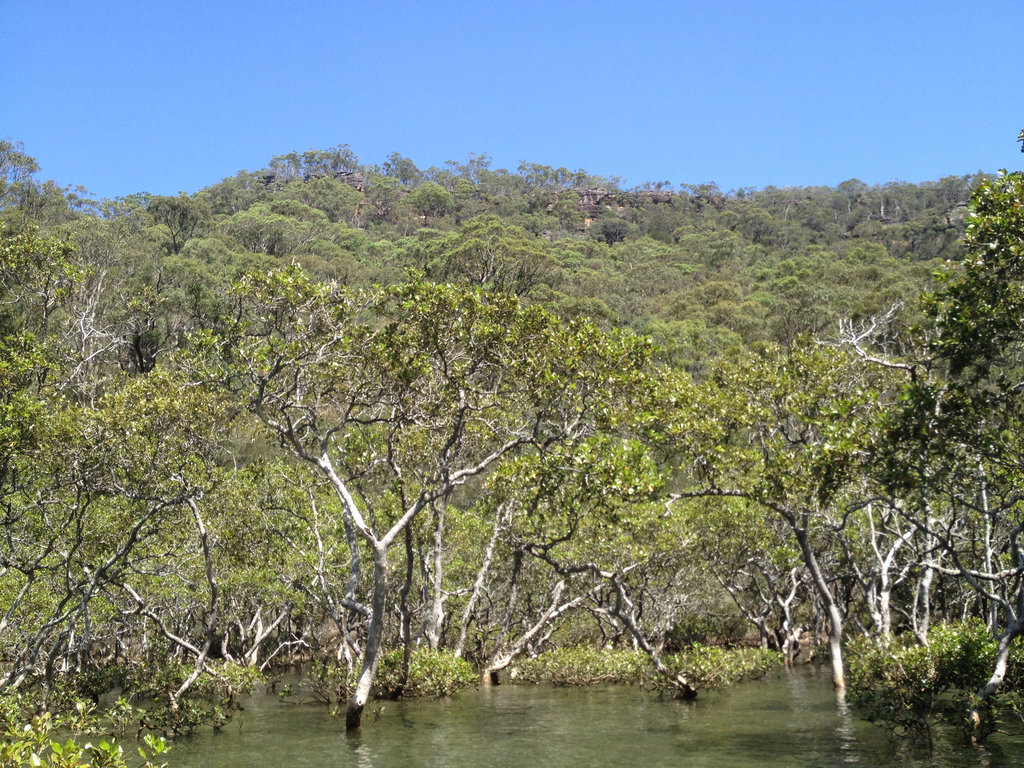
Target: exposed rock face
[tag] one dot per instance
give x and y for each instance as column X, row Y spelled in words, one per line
column 352, row 178
column 596, row 201
column 956, row 215
column 591, row 201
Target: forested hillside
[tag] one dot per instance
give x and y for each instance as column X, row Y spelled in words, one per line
column 417, row 426
column 697, row 270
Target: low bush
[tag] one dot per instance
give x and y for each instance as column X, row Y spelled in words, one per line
column 431, row 673
column 703, row 666
column 326, row 683
column 583, row 666
column 908, row 687
column 707, row 629
column 75, row 738
column 706, row 667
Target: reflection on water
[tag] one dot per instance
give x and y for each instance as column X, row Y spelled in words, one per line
column 789, row 719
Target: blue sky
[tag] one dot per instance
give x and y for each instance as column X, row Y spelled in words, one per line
column 123, row 97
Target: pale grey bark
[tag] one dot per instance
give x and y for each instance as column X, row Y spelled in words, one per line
column 371, row 652
column 832, row 607
column 380, row 546
column 435, row 614
column 501, row 659
column 212, row 616
column 501, row 516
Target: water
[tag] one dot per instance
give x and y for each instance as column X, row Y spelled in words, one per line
column 788, row 719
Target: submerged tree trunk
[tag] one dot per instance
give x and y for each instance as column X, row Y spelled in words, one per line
column 375, row 633
column 835, row 613
column 835, row 646
column 975, row 718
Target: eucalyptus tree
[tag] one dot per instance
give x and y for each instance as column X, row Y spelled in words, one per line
column 281, row 561
column 337, row 159
column 383, row 194
column 236, row 193
column 157, row 441
column 430, row 199
column 402, row 169
column 90, row 506
column 183, row 217
column 99, row 495
column 16, row 175
column 568, row 517
column 277, row 228
column 486, row 252
column 340, row 201
column 882, row 553
column 397, row 397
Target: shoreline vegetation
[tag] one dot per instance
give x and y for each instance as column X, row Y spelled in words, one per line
column 74, row 728
column 428, row 428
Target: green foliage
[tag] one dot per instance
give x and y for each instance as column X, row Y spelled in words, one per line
column 182, row 217
column 37, row 277
column 188, row 716
column 978, row 312
column 277, row 229
column 430, row 200
column 73, row 738
column 327, row 682
column 334, row 197
column 907, row 686
column 583, row 665
column 705, row 629
column 487, row 252
column 431, row 673
column 211, row 702
column 500, row 384
column 976, row 343
column 704, row 666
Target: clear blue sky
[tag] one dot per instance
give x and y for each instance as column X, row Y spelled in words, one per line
column 145, row 95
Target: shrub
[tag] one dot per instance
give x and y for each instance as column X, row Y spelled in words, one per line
column 703, row 666
column 55, row 739
column 699, row 628
column 431, row 673
column 583, row 665
column 327, row 683
column 707, row 667
column 907, row 687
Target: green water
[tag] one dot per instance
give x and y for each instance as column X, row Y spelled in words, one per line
column 789, row 719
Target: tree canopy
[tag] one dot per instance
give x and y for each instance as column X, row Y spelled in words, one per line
column 347, row 414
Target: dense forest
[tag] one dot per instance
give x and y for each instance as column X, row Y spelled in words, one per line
column 414, row 428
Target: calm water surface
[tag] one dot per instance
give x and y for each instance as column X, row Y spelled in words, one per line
column 789, row 719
